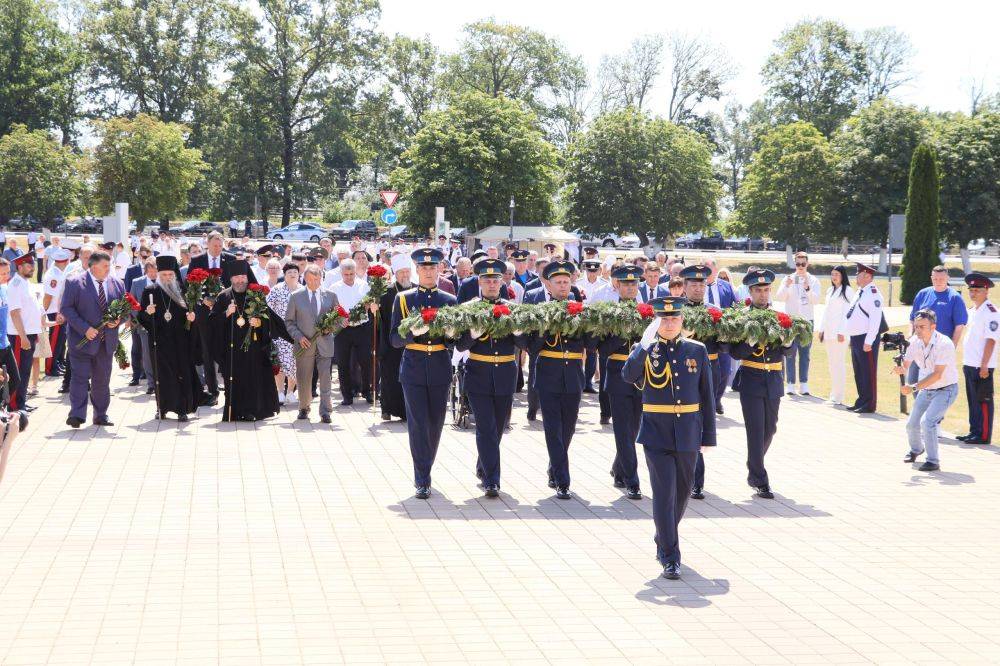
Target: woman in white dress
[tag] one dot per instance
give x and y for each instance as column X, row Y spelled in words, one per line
column 830, row 329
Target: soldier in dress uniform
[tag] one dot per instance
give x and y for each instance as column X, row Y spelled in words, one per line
column 490, row 378
column 863, row 323
column 425, row 371
column 624, row 398
column 979, row 359
column 759, row 382
column 558, row 381
column 678, row 418
column 694, row 290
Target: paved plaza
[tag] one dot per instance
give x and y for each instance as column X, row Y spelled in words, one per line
column 284, row 543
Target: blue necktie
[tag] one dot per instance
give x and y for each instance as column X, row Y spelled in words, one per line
column 711, row 298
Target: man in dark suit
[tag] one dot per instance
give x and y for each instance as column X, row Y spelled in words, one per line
column 135, row 270
column 719, row 294
column 142, row 363
column 91, row 344
column 212, row 258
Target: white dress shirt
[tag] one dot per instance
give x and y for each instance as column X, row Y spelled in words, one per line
column 984, row 324
column 864, row 316
column 350, row 295
column 799, row 300
column 588, row 288
column 214, row 262
column 606, row 294
column 20, row 297
column 939, row 350
column 52, row 285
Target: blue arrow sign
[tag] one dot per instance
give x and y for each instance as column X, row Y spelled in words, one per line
column 389, row 216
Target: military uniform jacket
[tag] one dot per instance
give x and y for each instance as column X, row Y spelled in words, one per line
column 559, row 362
column 757, row 382
column 864, row 317
column 678, row 399
column 431, row 365
column 498, row 377
column 616, row 350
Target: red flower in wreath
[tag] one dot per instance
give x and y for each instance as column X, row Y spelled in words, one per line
column 197, row 276
column 500, row 310
column 377, row 270
column 261, row 288
column 215, row 272
column 715, row 314
column 429, row 314
column 341, row 312
column 746, row 302
column 784, row 321
column 132, row 302
column 645, row 310
column 574, row 308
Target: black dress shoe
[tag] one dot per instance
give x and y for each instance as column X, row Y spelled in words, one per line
column 210, row 400
column 764, row 492
column 423, row 492
column 562, row 492
column 975, row 440
column 633, row 493
column 325, row 419
column 103, row 422
column 696, row 493
column 74, row 422
column 965, row 438
column 134, row 382
column 852, row 408
column 63, row 389
column 386, row 417
column 929, row 467
column 552, row 482
column 617, row 483
column 368, row 398
column 605, row 420
column 492, row 490
column 911, row 457
column 182, row 418
column 672, row 570
column 719, row 410
column 531, row 415
column 29, row 408
column 151, row 390
column 346, row 403
column 303, row 415
column 864, row 411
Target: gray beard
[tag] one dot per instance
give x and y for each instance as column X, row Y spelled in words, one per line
column 405, row 284
column 172, row 290
column 240, row 290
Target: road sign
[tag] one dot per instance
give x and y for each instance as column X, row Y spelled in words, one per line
column 388, row 197
column 389, row 215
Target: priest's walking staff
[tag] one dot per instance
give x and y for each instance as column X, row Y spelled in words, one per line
column 374, row 316
column 230, row 393
column 156, row 372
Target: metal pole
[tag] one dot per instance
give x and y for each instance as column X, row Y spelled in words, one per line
column 510, row 236
column 152, row 355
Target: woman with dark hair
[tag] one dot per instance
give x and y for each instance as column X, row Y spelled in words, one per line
column 838, row 300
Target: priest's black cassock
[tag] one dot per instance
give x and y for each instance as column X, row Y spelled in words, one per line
column 249, row 379
column 389, row 358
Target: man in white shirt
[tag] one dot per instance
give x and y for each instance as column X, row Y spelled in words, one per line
column 591, row 281
column 979, row 359
column 166, row 244
column 24, row 324
column 52, row 288
column 354, row 343
column 863, row 325
column 934, row 354
column 799, row 291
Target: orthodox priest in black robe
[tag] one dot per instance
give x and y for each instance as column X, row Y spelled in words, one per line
column 389, row 357
column 249, row 379
column 165, row 316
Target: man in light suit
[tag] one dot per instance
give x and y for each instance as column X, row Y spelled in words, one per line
column 91, row 345
column 142, row 362
column 305, row 308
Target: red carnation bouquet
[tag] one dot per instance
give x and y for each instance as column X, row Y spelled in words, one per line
column 194, row 291
column 377, row 286
column 428, row 314
column 645, row 310
column 715, row 314
column 118, row 310
column 784, row 321
column 255, row 306
column 573, row 308
column 333, row 321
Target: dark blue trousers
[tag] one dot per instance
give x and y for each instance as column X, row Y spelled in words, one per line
column 590, row 367
column 559, row 412
column 626, row 410
column 603, row 400
column 865, row 372
column 980, row 411
column 492, row 413
column 24, row 358
column 425, row 410
column 670, row 477
column 760, row 418
column 725, row 368
column 91, row 379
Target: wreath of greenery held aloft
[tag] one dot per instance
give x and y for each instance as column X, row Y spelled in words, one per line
column 760, row 326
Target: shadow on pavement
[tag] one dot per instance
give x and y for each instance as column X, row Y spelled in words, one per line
column 691, row 591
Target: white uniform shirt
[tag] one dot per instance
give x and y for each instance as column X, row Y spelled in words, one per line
column 20, row 297
column 798, row 300
column 260, row 273
column 349, row 296
column 832, row 322
column 122, row 260
column 939, row 350
column 52, row 284
column 589, row 288
column 169, row 248
column 864, row 316
column 984, row 324
column 606, row 294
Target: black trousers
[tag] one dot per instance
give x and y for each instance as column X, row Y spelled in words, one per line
column 590, row 367
column 626, row 410
column 670, row 477
column 559, row 412
column 353, row 345
column 209, row 365
column 760, row 418
column 10, row 367
column 136, row 354
column 865, row 366
column 492, row 413
column 532, row 392
column 602, row 397
column 24, row 358
column 979, row 394
column 426, row 407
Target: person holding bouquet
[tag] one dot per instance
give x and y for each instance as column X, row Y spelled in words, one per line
column 92, row 337
column 306, row 308
column 425, row 370
column 166, row 318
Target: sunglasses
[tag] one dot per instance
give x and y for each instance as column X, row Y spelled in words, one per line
column 592, row 270
column 798, row 265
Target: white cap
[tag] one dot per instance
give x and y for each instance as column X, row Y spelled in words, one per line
column 401, row 261
column 58, row 254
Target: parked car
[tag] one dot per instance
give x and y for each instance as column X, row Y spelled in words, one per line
column 977, row 246
column 348, row 229
column 196, row 228
column 744, row 243
column 301, row 231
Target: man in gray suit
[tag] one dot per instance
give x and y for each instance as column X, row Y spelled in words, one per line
column 136, row 288
column 305, row 308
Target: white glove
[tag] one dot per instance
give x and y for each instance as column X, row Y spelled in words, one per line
column 420, row 330
column 649, row 335
column 475, row 333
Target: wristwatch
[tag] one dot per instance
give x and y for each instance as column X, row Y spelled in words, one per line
column 913, row 386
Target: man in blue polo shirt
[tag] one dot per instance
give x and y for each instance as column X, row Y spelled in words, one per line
column 947, row 305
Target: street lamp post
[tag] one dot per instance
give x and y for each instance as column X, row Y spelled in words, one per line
column 510, row 236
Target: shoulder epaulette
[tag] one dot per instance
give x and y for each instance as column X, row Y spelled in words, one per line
column 874, row 290
column 990, row 307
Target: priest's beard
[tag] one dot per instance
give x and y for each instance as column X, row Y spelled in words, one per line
column 405, row 284
column 173, row 290
column 239, row 289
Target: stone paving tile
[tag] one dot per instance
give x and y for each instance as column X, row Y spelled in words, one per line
column 283, row 543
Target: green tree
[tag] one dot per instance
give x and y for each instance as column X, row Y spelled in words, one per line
column 413, row 68
column 816, row 74
column 32, row 63
column 873, row 153
column 472, row 157
column 788, row 185
column 920, row 252
column 968, row 151
column 629, row 172
column 144, row 161
column 38, row 176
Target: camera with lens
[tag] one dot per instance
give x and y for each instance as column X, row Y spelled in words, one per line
column 895, row 342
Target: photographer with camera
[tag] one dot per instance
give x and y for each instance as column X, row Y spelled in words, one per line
column 934, row 354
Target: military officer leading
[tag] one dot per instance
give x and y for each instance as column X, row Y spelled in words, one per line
column 558, row 381
column 425, row 370
column 678, row 418
column 694, row 290
column 863, row 324
column 759, row 382
column 979, row 359
column 490, row 378
column 624, row 397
